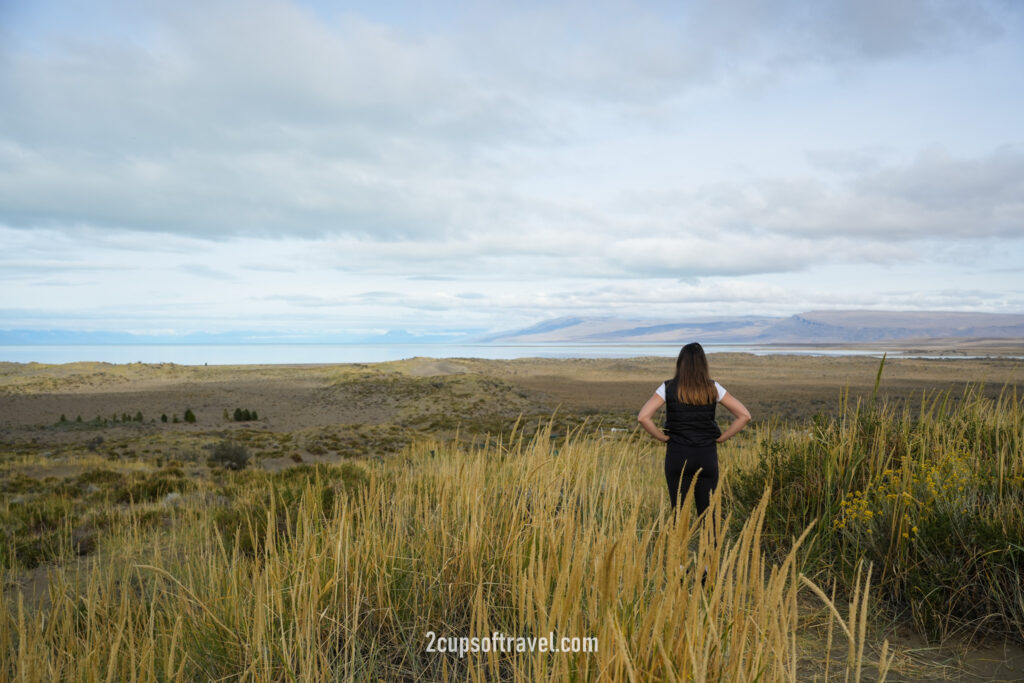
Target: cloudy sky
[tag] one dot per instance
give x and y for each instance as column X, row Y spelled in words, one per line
column 310, row 167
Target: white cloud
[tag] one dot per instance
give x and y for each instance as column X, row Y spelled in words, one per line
column 262, row 118
column 235, row 161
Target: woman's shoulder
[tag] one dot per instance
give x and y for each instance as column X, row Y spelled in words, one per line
column 662, row 389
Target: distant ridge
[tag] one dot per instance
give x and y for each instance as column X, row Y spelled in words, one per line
column 813, row 327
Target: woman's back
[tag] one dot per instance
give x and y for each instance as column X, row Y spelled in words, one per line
column 689, row 424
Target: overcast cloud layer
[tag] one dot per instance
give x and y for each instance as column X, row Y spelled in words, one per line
column 208, row 166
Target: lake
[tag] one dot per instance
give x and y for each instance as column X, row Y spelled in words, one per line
column 265, row 354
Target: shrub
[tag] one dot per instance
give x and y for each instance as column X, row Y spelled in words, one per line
column 36, row 532
column 101, row 478
column 144, row 489
column 931, row 498
column 189, row 415
column 248, row 521
column 229, row 455
column 16, row 482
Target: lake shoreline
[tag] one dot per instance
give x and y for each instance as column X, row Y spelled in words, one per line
column 331, row 354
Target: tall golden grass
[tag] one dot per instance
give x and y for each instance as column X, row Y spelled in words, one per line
column 523, row 537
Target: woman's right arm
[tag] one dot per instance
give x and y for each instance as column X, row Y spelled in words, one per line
column 647, row 412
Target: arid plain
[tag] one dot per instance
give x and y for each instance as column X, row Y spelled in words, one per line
column 62, row 422
column 431, row 394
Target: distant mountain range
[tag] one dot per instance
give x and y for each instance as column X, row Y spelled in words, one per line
column 814, row 327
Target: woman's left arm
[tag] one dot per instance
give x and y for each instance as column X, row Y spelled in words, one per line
column 647, row 412
column 739, row 411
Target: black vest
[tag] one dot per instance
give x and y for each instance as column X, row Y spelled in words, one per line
column 688, row 424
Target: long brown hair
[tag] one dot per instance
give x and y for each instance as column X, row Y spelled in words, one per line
column 693, row 380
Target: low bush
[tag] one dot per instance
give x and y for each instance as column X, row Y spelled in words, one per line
column 153, row 487
column 229, row 455
column 36, row 531
column 935, row 501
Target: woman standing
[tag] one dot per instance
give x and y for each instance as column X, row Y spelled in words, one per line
column 691, row 434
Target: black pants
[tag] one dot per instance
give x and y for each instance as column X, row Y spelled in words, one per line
column 682, row 464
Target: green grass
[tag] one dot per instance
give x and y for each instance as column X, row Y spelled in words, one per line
column 933, row 498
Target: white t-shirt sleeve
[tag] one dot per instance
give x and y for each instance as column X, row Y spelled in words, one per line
column 660, row 391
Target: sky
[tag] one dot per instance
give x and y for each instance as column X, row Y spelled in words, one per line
column 301, row 167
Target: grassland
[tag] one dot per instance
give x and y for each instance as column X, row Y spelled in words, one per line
column 381, row 502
